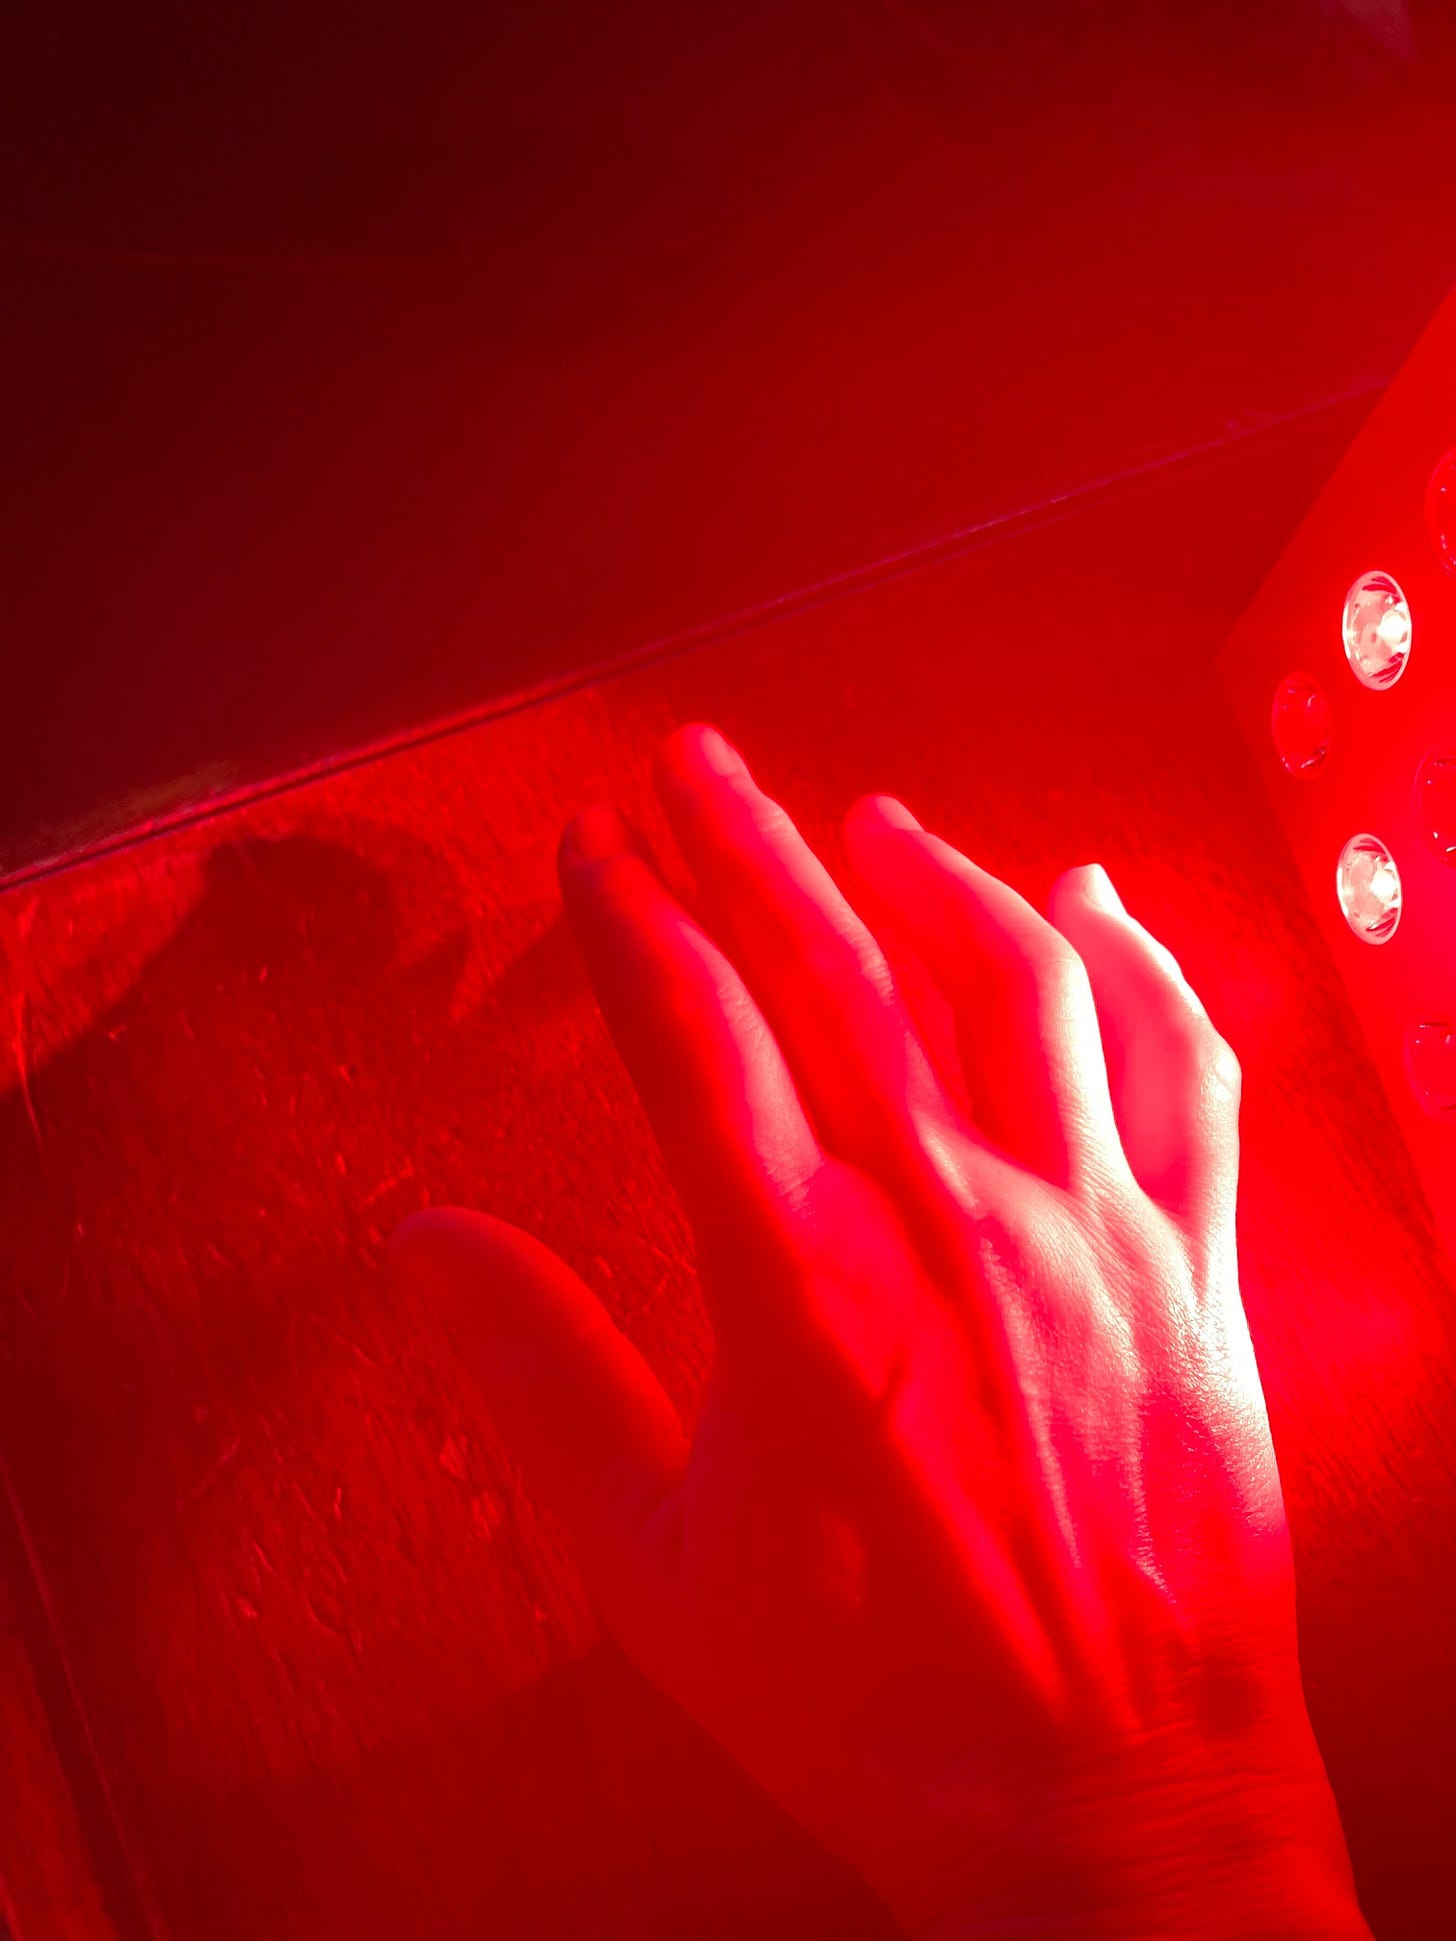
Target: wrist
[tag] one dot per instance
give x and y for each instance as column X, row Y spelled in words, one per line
column 1239, row 1853
column 1291, row 1912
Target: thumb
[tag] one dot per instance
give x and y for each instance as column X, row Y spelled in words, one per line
column 592, row 1428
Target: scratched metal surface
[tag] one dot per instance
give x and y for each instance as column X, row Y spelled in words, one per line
column 338, row 1669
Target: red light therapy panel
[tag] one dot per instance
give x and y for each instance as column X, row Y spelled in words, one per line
column 1342, row 676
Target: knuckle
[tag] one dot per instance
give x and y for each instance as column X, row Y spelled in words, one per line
column 753, row 828
column 862, row 958
column 1209, row 1052
column 1166, row 961
column 1223, row 1066
column 688, row 1004
column 839, row 958
column 1038, row 975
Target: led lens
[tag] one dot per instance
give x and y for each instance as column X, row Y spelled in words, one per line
column 1430, row 1065
column 1367, row 883
column 1300, row 723
column 1377, row 629
column 1436, row 804
column 1441, row 511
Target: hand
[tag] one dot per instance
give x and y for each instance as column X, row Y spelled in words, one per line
column 977, row 1561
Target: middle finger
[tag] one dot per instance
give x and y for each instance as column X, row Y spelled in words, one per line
column 813, row 965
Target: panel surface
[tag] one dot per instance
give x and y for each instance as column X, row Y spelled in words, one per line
column 1372, row 516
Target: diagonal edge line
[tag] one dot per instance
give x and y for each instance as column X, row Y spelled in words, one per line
column 889, row 566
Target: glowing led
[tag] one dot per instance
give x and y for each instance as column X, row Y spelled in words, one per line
column 1367, row 883
column 1436, row 804
column 1441, row 511
column 1300, row 723
column 1377, row 630
column 1430, row 1065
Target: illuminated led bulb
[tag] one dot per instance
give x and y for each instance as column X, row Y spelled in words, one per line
column 1377, row 629
column 1441, row 511
column 1367, row 883
column 1300, row 723
column 1436, row 804
column 1430, row 1065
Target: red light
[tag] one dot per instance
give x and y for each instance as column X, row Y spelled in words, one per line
column 1377, row 630
column 1367, row 883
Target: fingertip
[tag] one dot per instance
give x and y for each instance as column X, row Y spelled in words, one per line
column 424, row 1263
column 892, row 811
column 1099, row 887
column 413, row 1235
column 695, row 752
column 493, row 1287
column 595, row 834
column 429, row 1244
column 1091, row 883
column 443, row 1238
column 874, row 815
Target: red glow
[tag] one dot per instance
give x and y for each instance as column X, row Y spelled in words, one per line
column 323, row 1618
column 982, row 1494
column 1377, row 630
column 1367, row 883
column 1388, row 772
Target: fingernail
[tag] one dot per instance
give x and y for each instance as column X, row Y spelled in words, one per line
column 719, row 754
column 895, row 813
column 598, row 832
column 1101, row 892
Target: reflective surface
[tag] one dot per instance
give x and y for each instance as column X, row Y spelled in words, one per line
column 1430, row 1061
column 1367, row 884
column 1300, row 723
column 1376, row 626
column 1441, row 511
column 1436, row 804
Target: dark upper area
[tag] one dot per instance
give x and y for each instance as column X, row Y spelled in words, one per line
column 365, row 365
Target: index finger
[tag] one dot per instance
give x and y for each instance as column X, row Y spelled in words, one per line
column 722, row 1102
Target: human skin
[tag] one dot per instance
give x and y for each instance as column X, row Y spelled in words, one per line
column 977, row 1561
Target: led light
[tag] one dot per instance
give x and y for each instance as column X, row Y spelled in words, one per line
column 1367, row 883
column 1430, row 1065
column 1300, row 723
column 1441, row 511
column 1436, row 804
column 1377, row 630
